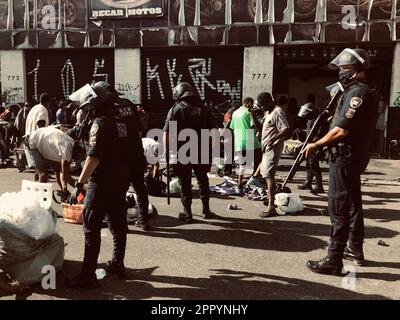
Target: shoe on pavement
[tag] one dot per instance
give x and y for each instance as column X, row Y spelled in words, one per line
column 209, row 215
column 318, row 189
column 268, row 214
column 305, row 186
column 327, row 265
column 82, row 281
column 239, row 191
column 185, row 217
column 253, row 181
column 116, row 269
column 324, row 212
column 142, row 224
column 354, row 255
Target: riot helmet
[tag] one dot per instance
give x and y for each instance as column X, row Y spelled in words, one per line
column 333, row 88
column 307, row 111
column 356, row 57
column 182, row 90
column 108, row 86
column 83, row 95
column 97, row 95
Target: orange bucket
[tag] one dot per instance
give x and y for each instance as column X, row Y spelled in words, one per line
column 73, row 213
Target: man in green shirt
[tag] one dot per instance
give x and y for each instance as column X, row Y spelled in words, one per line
column 245, row 140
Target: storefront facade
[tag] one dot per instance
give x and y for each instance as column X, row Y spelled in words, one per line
column 227, row 49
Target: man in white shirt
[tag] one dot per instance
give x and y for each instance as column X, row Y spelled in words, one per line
column 151, row 151
column 38, row 117
column 51, row 147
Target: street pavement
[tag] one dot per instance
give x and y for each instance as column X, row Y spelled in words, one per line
column 239, row 255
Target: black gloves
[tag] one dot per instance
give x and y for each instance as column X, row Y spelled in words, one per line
column 74, row 195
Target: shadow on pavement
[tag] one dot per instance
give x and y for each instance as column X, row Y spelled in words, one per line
column 272, row 234
column 222, row 284
column 366, row 202
column 391, row 277
column 383, row 195
column 383, row 215
column 285, row 167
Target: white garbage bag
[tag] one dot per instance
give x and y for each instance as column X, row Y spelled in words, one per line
column 288, row 203
column 24, row 210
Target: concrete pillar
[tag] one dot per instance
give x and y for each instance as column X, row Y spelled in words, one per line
column 258, row 68
column 127, row 65
column 13, row 77
column 395, row 88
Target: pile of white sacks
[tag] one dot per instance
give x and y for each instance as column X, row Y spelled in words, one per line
column 29, row 242
column 23, row 210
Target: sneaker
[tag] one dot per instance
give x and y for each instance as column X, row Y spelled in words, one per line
column 82, row 281
column 318, row 189
column 209, row 215
column 239, row 191
column 142, row 224
column 116, row 269
column 327, row 265
column 253, row 181
column 354, row 255
column 185, row 217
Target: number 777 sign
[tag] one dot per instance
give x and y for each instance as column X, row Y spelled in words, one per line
column 257, row 70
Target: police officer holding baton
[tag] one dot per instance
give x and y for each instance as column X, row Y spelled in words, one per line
column 351, row 133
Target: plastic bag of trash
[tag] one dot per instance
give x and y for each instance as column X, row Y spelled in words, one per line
column 288, row 203
column 24, row 210
column 23, row 258
column 133, row 208
column 174, row 186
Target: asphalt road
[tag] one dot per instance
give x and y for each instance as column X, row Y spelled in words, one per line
column 239, row 255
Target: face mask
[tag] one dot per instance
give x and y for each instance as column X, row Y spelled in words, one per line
column 345, row 76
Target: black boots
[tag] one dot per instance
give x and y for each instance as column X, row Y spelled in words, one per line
column 328, row 265
column 353, row 254
column 186, row 216
column 116, row 269
column 308, row 186
column 207, row 214
column 305, row 186
column 318, row 188
column 83, row 281
column 142, row 223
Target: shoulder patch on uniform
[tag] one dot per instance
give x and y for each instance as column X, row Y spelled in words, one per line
column 94, row 129
column 92, row 141
column 355, row 102
column 350, row 113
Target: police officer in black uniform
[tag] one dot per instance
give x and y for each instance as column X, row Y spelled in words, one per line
column 189, row 113
column 350, row 137
column 128, row 121
column 107, row 167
